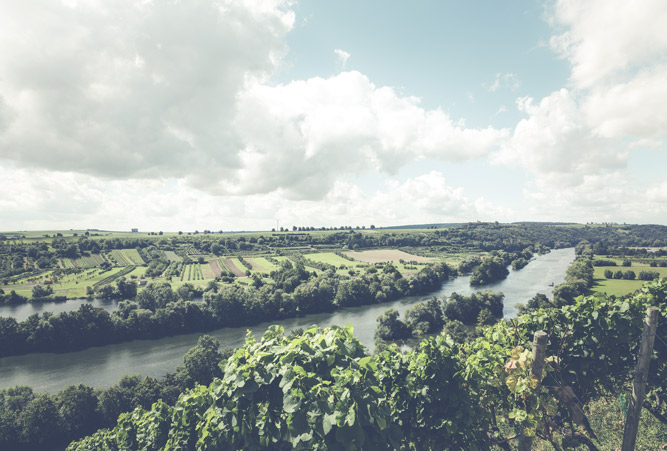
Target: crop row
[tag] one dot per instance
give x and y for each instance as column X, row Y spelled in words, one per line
column 112, row 277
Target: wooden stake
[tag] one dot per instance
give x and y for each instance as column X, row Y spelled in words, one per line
column 539, row 350
column 639, row 385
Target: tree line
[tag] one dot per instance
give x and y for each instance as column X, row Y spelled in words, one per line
column 159, row 311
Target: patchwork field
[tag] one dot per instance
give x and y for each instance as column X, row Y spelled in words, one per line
column 207, row 271
column 126, row 257
column 92, row 261
column 388, row 255
column 231, row 266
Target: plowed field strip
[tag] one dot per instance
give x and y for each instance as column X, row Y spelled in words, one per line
column 233, row 268
column 215, row 268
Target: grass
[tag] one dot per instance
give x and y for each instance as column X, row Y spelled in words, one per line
column 330, row 258
column 386, row 255
column 607, row 421
column 207, row 272
column 238, row 264
column 620, row 287
column 172, row 257
column 133, row 256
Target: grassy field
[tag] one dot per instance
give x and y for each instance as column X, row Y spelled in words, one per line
column 329, row 258
column 387, row 255
column 619, row 287
column 172, row 257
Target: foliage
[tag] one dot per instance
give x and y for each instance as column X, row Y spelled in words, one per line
column 320, row 390
column 490, row 270
column 467, row 308
column 37, row 421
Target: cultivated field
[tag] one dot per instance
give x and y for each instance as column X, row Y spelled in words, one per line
column 329, row 258
column 126, row 257
column 172, row 257
column 387, row 255
column 231, row 266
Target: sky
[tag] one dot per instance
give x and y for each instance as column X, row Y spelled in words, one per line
column 246, row 114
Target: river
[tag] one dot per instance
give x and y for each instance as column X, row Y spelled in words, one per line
column 104, row 366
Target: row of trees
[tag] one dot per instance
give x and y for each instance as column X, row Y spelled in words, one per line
column 630, row 275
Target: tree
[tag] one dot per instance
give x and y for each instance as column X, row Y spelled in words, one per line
column 39, row 292
column 41, row 422
column 201, row 363
column 390, row 327
column 429, row 314
column 490, row 270
column 485, row 318
column 78, row 408
column 456, row 330
column 126, row 289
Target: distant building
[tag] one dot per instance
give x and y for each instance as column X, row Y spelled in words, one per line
column 135, row 230
column 141, row 282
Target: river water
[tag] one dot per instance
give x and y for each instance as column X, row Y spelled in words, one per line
column 104, row 366
column 22, row 311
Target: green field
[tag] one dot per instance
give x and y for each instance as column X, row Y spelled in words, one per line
column 331, row 259
column 620, row 287
column 172, row 257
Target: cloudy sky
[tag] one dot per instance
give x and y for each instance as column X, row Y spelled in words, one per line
column 234, row 114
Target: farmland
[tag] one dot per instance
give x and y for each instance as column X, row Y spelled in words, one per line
column 387, row 256
column 619, row 287
column 100, row 257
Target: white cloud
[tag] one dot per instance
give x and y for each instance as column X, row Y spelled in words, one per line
column 618, row 54
column 132, row 89
column 658, row 194
column 299, row 137
column 41, row 199
column 607, row 40
column 179, row 90
column 576, row 142
column 556, row 139
column 342, row 57
column 635, row 109
column 505, row 81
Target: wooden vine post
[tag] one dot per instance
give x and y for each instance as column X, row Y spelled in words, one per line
column 539, row 351
column 639, row 384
